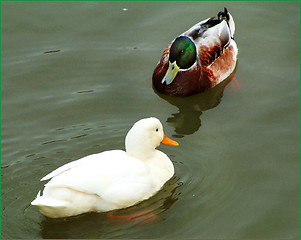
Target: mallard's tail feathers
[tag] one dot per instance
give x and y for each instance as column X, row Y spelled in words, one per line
column 225, row 15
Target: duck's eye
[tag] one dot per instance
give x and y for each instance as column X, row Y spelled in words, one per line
column 157, row 129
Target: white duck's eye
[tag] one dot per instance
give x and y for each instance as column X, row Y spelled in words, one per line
column 157, row 129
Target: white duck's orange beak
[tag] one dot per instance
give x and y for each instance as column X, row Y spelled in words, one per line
column 169, row 141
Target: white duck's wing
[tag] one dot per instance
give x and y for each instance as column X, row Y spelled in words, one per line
column 66, row 167
column 112, row 175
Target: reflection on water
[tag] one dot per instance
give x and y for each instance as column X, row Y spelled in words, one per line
column 187, row 121
column 115, row 223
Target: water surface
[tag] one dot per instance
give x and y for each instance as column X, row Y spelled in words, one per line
column 77, row 75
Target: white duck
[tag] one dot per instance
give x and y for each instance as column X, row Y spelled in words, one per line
column 112, row 179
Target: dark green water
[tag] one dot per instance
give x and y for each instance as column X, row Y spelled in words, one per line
column 238, row 163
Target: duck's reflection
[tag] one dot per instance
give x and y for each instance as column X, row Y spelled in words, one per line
column 116, row 224
column 187, row 120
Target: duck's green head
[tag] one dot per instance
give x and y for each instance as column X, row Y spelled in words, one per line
column 182, row 55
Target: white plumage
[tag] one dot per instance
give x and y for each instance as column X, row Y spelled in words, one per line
column 112, row 179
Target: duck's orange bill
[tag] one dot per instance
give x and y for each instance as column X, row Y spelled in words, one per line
column 169, row 141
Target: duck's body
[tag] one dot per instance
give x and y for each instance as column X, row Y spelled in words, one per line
column 198, row 59
column 109, row 180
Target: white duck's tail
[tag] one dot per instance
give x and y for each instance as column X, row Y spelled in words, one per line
column 48, row 202
column 49, row 207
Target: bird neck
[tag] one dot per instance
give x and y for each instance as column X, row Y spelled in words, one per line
column 143, row 153
column 161, row 168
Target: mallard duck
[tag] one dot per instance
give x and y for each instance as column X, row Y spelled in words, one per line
column 112, row 179
column 198, row 59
